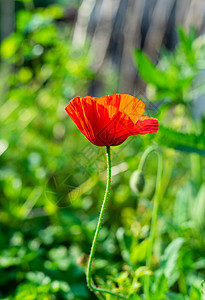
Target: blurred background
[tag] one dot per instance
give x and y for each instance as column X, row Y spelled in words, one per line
column 52, row 179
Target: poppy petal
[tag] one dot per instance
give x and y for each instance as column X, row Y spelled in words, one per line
column 147, row 125
column 126, row 104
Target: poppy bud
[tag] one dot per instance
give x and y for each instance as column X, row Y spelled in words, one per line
column 137, row 181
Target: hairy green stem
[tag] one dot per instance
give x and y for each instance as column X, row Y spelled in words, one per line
column 90, row 284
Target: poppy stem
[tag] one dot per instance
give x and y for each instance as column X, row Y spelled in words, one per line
column 90, row 284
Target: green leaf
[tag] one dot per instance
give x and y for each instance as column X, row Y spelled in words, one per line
column 198, row 209
column 125, row 244
column 195, row 293
column 203, row 289
column 139, row 251
column 169, row 261
column 160, row 288
column 149, row 72
column 181, row 141
column 183, row 202
column 186, row 43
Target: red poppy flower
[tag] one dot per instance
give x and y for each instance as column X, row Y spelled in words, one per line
column 109, row 120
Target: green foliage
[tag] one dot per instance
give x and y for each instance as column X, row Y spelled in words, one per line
column 40, row 70
column 160, row 288
column 149, row 72
column 181, row 141
column 173, row 82
column 174, row 76
column 169, row 261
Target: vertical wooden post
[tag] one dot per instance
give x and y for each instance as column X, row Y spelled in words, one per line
column 7, row 20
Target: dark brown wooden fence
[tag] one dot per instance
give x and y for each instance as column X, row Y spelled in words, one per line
column 115, row 27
